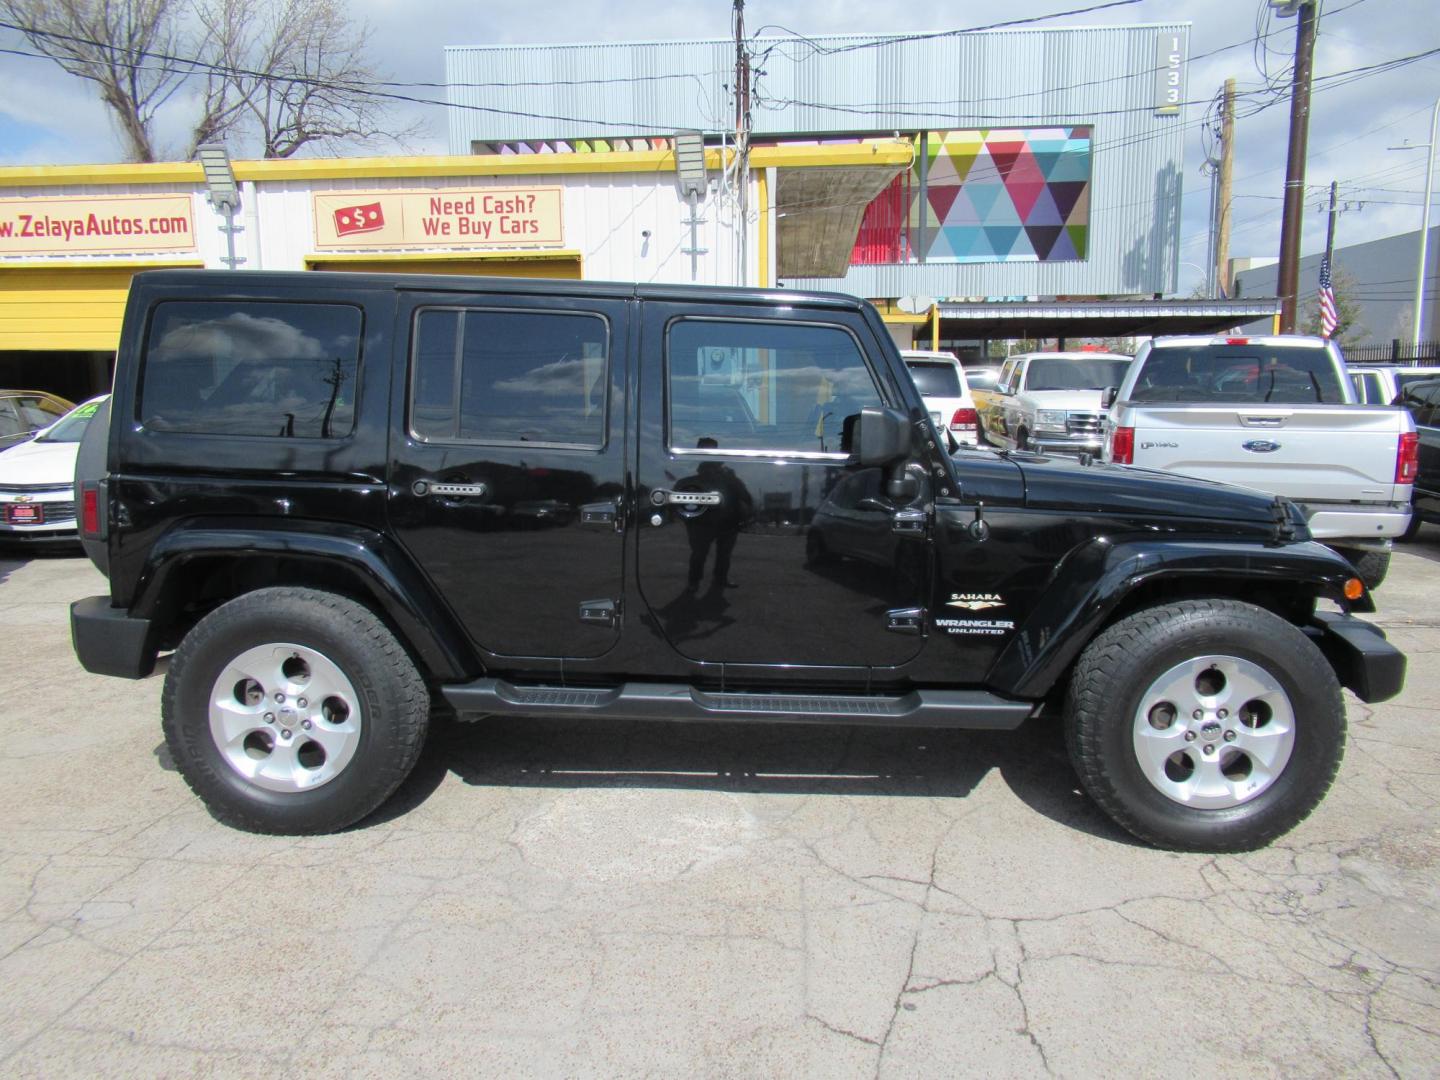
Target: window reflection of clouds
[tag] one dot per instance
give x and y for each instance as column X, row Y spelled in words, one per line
column 241, row 336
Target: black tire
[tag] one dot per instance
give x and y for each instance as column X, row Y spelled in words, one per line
column 816, row 553
column 1117, row 670
column 1413, row 529
column 391, row 697
column 1370, row 566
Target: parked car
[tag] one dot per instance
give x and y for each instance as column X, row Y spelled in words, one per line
column 1276, row 414
column 323, row 552
column 941, row 382
column 1050, row 402
column 1422, row 401
column 24, row 412
column 1383, row 384
column 37, row 499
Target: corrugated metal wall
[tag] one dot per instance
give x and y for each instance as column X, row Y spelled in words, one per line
column 1103, row 76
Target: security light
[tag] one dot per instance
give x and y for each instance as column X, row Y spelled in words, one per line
column 690, row 163
column 219, row 177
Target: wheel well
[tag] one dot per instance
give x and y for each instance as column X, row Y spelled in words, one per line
column 197, row 586
column 1291, row 601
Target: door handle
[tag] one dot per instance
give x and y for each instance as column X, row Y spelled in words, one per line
column 449, row 491
column 685, row 498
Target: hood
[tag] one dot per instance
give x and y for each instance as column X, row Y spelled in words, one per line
column 1062, row 483
column 1079, row 400
column 39, row 463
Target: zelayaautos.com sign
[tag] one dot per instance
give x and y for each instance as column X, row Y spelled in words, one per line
column 97, row 224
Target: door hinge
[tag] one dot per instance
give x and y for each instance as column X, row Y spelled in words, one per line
column 599, row 612
column 905, row 620
column 910, row 522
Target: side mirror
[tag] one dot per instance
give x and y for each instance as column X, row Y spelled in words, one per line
column 881, row 436
column 1108, row 395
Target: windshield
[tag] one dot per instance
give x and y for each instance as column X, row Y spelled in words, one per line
column 72, row 428
column 1240, row 373
column 935, row 380
column 1060, row 374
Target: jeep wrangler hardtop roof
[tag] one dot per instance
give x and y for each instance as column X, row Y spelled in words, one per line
column 306, row 280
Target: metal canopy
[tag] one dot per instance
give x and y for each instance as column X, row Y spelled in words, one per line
column 818, row 213
column 1100, row 318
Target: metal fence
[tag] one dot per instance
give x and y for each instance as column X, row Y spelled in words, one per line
column 1397, row 352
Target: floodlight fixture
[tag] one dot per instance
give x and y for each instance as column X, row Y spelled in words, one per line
column 690, row 163
column 1285, row 8
column 219, row 176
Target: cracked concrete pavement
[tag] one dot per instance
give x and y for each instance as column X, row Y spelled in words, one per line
column 568, row 899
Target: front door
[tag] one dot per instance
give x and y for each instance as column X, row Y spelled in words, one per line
column 759, row 543
column 506, row 485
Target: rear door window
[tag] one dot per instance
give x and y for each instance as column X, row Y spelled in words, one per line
column 1242, row 374
column 510, row 377
column 252, row 368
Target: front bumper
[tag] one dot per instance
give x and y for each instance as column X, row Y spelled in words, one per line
column 56, row 508
column 109, row 640
column 1364, row 661
column 1065, row 444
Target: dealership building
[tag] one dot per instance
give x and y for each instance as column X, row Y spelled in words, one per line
column 977, row 187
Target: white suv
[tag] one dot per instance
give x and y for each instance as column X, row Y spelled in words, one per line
column 941, row 382
column 1050, row 402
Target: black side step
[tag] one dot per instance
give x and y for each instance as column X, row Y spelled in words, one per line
column 974, row 709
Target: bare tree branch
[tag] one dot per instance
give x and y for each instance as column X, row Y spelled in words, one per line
column 112, row 43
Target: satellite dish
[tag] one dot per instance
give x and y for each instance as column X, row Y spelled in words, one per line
column 915, row 305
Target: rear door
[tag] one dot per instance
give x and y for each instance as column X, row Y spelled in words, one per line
column 506, row 483
column 759, row 543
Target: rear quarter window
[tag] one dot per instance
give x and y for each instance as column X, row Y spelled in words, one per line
column 251, row 368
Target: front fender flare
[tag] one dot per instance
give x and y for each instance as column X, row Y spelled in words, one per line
column 1092, row 581
column 379, row 571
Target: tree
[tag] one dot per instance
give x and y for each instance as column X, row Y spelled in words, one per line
column 283, row 74
column 1350, row 331
column 119, row 46
column 292, row 73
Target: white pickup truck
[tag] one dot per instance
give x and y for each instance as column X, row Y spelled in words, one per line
column 1276, row 414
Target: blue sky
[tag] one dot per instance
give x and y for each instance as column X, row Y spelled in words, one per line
column 47, row 116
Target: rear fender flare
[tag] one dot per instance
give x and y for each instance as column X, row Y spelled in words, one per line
column 373, row 567
column 1095, row 579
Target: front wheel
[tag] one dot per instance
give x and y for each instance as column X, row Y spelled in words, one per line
column 1205, row 725
column 293, row 711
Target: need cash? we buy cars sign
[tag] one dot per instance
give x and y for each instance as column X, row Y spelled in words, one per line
column 453, row 217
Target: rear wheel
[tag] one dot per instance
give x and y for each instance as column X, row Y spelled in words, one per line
column 1205, row 725
column 293, row 711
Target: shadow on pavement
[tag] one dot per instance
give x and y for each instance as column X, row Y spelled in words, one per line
column 1425, row 544
column 773, row 759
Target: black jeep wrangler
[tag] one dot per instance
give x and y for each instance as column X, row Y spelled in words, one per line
column 340, row 498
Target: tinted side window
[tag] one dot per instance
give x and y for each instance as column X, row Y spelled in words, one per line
column 779, row 387
column 9, row 420
column 243, row 367
column 1367, row 388
column 510, row 377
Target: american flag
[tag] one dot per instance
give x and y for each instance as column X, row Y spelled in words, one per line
column 1329, row 316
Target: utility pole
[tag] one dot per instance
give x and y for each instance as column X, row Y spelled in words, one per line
column 742, row 137
column 1289, row 276
column 1227, row 168
column 1330, row 228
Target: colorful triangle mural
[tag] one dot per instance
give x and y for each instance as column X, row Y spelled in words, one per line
column 1003, row 194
